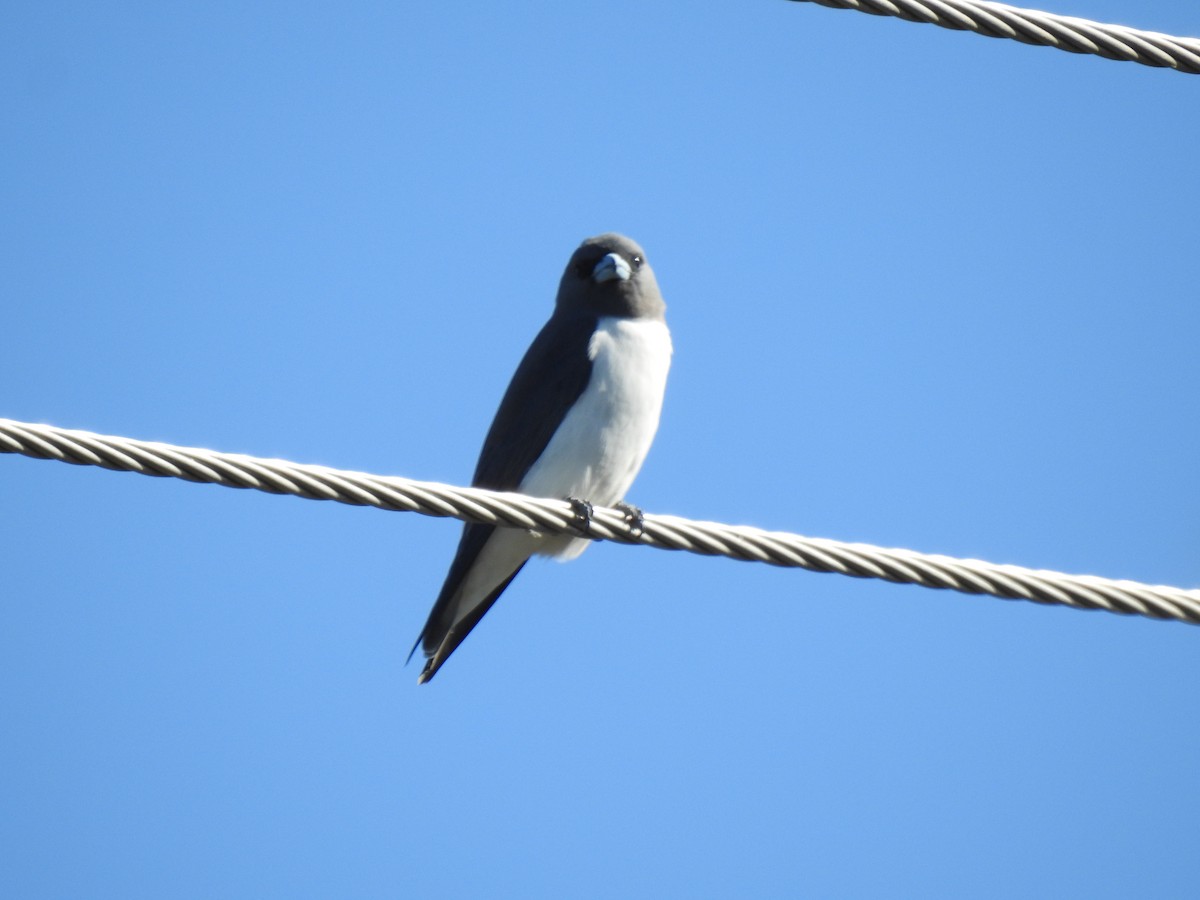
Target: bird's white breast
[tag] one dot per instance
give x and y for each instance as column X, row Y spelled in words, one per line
column 600, row 446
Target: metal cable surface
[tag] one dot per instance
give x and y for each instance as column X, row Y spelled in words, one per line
column 277, row 476
column 1031, row 26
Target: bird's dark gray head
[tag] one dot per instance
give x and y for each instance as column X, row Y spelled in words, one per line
column 609, row 276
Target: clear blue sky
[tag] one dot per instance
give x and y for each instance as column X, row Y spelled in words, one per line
column 927, row 290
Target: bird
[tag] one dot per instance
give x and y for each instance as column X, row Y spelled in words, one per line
column 575, row 423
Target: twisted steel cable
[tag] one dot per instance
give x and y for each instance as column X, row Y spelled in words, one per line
column 1031, row 26
column 277, row 476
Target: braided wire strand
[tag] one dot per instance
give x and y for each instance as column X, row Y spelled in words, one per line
column 278, row 476
column 1031, row 26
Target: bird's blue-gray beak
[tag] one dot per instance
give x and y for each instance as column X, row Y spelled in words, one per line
column 612, row 266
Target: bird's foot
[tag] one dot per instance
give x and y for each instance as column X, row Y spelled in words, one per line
column 583, row 514
column 633, row 516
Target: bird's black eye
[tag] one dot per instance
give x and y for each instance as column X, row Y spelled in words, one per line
column 637, row 262
column 583, row 269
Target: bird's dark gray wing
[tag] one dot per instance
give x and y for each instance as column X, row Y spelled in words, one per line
column 551, row 377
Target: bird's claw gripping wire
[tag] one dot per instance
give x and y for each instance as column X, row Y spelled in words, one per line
column 633, row 517
column 583, row 514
